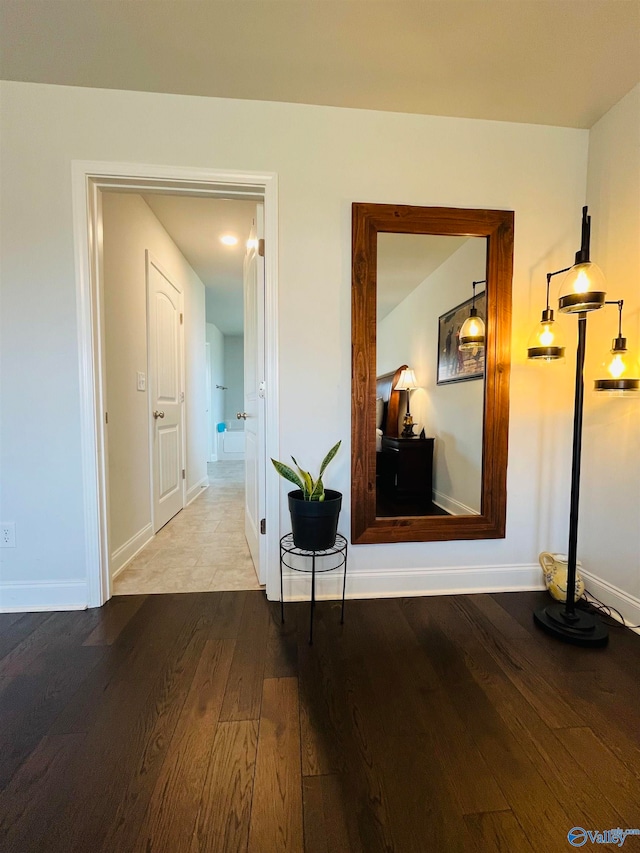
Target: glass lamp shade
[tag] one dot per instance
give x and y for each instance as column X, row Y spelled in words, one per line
column 545, row 342
column 472, row 332
column 407, row 381
column 583, row 289
column 619, row 382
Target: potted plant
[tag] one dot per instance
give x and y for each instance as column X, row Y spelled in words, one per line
column 314, row 509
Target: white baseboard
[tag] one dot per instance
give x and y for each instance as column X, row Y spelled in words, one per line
column 123, row 555
column 195, row 491
column 35, row 596
column 462, row 580
column 628, row 605
column 451, row 505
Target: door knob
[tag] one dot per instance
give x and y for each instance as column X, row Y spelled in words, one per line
column 157, row 415
column 241, row 416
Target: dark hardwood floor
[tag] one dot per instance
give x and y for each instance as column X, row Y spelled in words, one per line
column 198, row 723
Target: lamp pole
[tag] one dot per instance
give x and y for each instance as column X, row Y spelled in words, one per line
column 578, row 409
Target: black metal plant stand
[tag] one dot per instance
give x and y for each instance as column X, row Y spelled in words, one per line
column 336, row 557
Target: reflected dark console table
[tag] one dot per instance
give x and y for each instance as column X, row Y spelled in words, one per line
column 329, row 560
column 407, row 467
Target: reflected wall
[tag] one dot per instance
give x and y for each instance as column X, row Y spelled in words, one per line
column 420, row 279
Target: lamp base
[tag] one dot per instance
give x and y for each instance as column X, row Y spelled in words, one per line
column 579, row 628
column 408, row 424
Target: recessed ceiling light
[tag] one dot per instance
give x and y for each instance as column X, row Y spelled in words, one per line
column 229, row 240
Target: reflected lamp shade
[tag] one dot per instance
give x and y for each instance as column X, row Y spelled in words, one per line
column 582, row 289
column 471, row 336
column 472, row 332
column 407, row 381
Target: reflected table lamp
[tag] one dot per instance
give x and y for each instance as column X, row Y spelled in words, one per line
column 407, row 382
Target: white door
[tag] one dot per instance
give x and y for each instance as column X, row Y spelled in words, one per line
column 207, row 368
column 254, row 408
column 165, row 386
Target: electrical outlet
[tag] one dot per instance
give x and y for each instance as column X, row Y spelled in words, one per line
column 7, row 534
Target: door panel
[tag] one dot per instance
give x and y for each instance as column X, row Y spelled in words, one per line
column 169, row 458
column 254, row 424
column 165, row 380
column 166, row 336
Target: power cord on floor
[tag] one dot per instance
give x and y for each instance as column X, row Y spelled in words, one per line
column 604, row 610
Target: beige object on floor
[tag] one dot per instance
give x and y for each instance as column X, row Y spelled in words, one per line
column 555, row 568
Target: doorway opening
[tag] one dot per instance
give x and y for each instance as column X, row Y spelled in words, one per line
column 171, row 187
column 202, row 277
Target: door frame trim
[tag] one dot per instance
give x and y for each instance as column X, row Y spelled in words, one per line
column 88, row 179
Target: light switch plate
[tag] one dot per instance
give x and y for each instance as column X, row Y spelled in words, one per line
column 142, row 382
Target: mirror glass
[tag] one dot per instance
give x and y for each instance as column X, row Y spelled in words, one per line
column 438, row 470
column 424, row 295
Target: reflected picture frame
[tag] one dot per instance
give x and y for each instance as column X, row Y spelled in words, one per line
column 452, row 364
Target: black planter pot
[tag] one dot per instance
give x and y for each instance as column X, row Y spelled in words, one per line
column 314, row 523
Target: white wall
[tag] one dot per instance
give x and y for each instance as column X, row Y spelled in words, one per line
column 215, row 339
column 451, row 413
column 129, row 229
column 325, row 159
column 609, row 532
column 234, row 380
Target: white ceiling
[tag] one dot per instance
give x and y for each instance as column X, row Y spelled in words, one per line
column 406, row 260
column 557, row 62
column 196, row 225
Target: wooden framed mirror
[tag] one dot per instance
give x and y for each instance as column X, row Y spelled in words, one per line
column 425, row 257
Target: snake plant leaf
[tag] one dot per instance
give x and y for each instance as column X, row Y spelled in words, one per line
column 312, row 490
column 329, row 457
column 288, row 473
column 306, row 479
column 318, row 493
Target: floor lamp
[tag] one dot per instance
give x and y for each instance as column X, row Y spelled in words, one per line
column 582, row 291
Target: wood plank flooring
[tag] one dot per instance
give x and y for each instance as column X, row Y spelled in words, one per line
column 199, row 723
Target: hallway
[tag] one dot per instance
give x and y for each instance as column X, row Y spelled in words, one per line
column 202, row 549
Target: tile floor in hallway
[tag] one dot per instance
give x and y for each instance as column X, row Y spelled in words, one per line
column 202, row 549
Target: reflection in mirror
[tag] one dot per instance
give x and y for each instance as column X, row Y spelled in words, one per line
column 429, row 463
column 424, row 295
